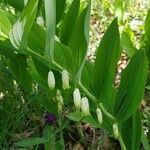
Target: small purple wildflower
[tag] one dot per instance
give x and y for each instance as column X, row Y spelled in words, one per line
column 49, row 118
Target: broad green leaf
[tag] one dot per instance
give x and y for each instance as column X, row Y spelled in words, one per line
column 147, row 24
column 18, row 69
column 145, row 141
column 10, row 17
column 90, row 120
column 119, row 10
column 79, row 41
column 41, row 69
column 69, row 21
column 7, row 50
column 50, row 11
column 147, row 35
column 131, row 131
column 18, row 5
column 107, row 57
column 35, row 42
column 63, row 56
column 87, row 75
column 35, row 75
column 60, row 6
column 127, row 44
column 30, row 142
column 5, row 24
column 75, row 116
column 131, row 89
column 21, row 29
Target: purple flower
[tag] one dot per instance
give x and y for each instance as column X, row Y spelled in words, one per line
column 49, row 118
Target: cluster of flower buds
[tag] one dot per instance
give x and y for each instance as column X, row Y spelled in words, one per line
column 65, row 80
column 79, row 103
column 115, row 131
column 99, row 116
column 60, row 101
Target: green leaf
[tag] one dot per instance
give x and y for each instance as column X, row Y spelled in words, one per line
column 63, row 56
column 7, row 50
column 119, row 10
column 145, row 142
column 5, row 24
column 87, row 75
column 19, row 5
column 18, row 69
column 30, row 142
column 147, row 35
column 69, row 21
column 131, row 131
column 147, row 24
column 37, row 43
column 35, row 75
column 132, row 86
column 127, row 44
column 79, row 41
column 107, row 57
column 75, row 116
column 21, row 29
column 60, row 6
column 91, row 121
column 50, row 11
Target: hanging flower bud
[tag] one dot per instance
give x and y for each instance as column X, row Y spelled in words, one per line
column 59, row 97
column 99, row 115
column 65, row 79
column 85, row 106
column 115, row 130
column 77, row 99
column 51, row 80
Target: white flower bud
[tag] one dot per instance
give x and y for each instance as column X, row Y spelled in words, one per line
column 65, row 79
column 85, row 106
column 115, row 131
column 59, row 97
column 99, row 115
column 77, row 98
column 51, row 80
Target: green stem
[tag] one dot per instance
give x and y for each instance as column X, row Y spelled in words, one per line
column 87, row 92
column 106, row 113
column 123, row 147
column 80, row 131
column 61, row 133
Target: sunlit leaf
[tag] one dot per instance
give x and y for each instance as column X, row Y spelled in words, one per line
column 21, row 29
column 127, row 44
